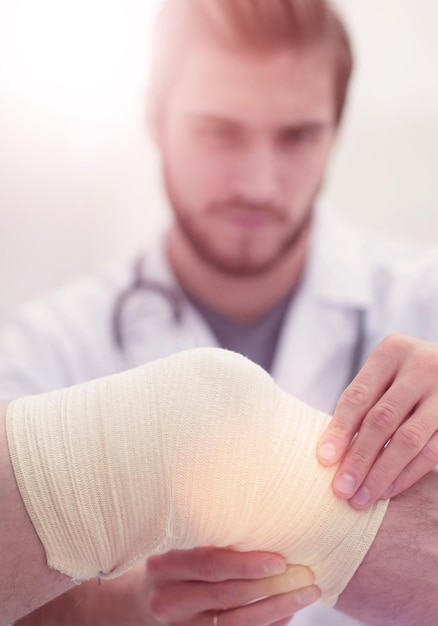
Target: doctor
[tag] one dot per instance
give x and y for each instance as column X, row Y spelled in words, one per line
column 245, row 105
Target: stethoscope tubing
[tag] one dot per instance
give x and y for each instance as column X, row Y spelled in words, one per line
column 175, row 300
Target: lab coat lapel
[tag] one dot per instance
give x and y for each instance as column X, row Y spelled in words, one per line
column 151, row 327
column 327, row 316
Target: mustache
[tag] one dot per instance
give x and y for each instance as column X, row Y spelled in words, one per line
column 254, row 207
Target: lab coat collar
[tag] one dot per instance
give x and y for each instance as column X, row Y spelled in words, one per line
column 322, row 326
column 156, row 263
column 191, row 331
column 318, row 351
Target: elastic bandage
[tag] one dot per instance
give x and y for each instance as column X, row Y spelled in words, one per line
column 198, row 448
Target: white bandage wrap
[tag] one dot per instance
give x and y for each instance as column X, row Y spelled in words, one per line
column 198, row 448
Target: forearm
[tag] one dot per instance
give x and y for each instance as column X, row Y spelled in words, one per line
column 26, row 581
column 114, row 602
column 397, row 581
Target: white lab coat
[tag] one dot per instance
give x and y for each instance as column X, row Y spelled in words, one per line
column 357, row 289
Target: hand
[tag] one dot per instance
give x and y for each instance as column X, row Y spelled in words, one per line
column 392, row 406
column 189, row 587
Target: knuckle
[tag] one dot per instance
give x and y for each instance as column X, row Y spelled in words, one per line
column 225, row 596
column 359, row 458
column 356, row 394
column 430, row 453
column 207, row 568
column 340, row 429
column 383, row 417
column 404, row 480
column 154, row 565
column 394, row 343
column 411, row 436
column 157, row 606
column 428, row 357
column 245, row 567
column 377, row 479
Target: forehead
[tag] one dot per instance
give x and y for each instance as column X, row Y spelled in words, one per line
column 282, row 87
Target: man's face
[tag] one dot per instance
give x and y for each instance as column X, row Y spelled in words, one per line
column 245, row 140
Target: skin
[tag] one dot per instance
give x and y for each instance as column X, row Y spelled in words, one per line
column 242, row 232
column 225, row 581
column 394, row 397
column 21, row 549
column 243, row 207
column 238, row 243
column 395, row 584
column 168, row 602
column 245, row 159
column 382, row 592
column 174, row 589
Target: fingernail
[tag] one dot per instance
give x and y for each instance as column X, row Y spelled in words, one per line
column 362, row 496
column 327, row 451
column 306, row 596
column 345, row 484
column 274, row 566
column 300, row 577
column 388, row 491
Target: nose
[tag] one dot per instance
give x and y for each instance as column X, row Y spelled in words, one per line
column 257, row 178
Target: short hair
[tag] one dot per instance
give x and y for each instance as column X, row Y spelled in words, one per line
column 259, row 25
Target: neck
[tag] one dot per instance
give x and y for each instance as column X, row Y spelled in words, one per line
column 242, row 298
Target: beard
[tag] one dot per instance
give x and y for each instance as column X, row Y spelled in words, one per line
column 244, row 264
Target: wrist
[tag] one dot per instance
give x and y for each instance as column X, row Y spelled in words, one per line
column 114, row 602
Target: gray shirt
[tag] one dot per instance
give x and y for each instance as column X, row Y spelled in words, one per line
column 255, row 340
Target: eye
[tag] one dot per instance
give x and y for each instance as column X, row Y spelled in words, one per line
column 296, row 136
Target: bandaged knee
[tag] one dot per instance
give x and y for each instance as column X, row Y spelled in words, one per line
column 198, row 448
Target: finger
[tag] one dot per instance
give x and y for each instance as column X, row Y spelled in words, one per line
column 269, row 610
column 374, row 378
column 407, row 443
column 177, row 601
column 378, row 426
column 214, row 565
column 426, row 460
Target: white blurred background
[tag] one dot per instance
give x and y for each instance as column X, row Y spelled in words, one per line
column 79, row 179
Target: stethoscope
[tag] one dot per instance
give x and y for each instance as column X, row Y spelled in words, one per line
column 138, row 284
column 175, row 299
